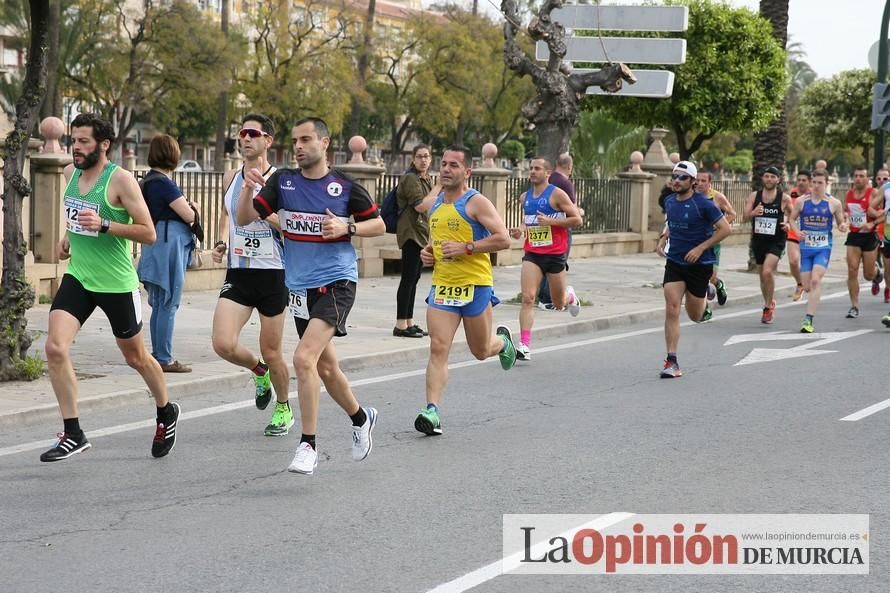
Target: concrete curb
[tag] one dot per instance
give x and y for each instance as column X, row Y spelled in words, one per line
column 183, row 390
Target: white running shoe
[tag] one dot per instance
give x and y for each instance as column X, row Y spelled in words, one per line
column 575, row 305
column 522, row 352
column 305, row 461
column 361, row 436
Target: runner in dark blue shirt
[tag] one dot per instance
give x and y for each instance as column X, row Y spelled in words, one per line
column 694, row 226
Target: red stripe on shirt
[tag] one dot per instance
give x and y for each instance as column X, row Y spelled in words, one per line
column 366, row 213
column 264, row 204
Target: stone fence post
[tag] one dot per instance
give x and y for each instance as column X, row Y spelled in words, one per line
column 48, row 182
column 657, row 162
column 641, row 183
column 370, row 264
column 493, row 185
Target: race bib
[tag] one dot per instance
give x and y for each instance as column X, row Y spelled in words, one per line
column 858, row 219
column 453, row 296
column 253, row 243
column 298, row 306
column 72, row 206
column 764, row 225
column 539, row 236
column 812, row 239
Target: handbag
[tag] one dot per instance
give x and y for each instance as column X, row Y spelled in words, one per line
column 196, row 226
column 196, row 259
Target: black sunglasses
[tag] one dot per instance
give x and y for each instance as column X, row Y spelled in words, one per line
column 680, row 176
column 252, row 132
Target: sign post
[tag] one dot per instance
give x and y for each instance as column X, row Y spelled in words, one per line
column 629, row 50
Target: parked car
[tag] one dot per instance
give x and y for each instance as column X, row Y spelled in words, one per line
column 188, row 166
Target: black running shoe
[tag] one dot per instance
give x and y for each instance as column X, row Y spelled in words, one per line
column 65, row 447
column 721, row 293
column 165, row 435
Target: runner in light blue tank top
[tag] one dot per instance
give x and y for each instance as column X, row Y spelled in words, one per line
column 812, row 217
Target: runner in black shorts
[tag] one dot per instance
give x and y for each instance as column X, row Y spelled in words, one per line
column 548, row 214
column 768, row 210
column 862, row 241
column 694, row 225
column 549, row 264
column 696, row 277
column 123, row 309
column 263, row 290
column 104, row 212
column 331, row 303
column 254, row 280
column 320, row 209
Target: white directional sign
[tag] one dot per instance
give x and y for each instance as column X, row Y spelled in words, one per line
column 599, row 49
column 620, row 49
column 623, row 18
column 813, row 341
column 655, row 84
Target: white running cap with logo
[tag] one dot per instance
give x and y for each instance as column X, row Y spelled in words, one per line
column 686, row 167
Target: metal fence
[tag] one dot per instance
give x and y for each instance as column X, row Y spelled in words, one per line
column 606, row 202
column 738, row 191
column 205, row 190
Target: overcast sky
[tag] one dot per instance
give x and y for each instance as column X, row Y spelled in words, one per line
column 836, row 35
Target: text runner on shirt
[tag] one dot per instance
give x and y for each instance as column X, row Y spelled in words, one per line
column 314, row 204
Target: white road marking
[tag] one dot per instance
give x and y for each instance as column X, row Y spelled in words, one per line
column 866, row 412
column 93, row 434
column 809, row 349
column 505, row 565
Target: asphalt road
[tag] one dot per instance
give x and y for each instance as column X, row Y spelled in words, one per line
column 585, row 427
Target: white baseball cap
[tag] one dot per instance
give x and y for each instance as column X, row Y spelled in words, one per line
column 686, row 167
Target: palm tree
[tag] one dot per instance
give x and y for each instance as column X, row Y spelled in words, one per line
column 800, row 73
column 771, row 144
column 601, row 146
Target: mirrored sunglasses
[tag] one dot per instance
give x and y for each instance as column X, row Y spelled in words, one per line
column 252, row 132
column 680, row 176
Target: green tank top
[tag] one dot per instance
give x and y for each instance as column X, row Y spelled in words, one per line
column 101, row 262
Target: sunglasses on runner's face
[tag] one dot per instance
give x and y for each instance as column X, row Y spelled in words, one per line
column 680, row 176
column 253, row 133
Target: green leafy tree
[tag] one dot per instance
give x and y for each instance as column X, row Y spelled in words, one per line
column 123, row 60
column 601, row 145
column 733, row 79
column 418, row 89
column 836, row 112
column 16, row 295
column 488, row 94
column 300, row 62
column 740, row 162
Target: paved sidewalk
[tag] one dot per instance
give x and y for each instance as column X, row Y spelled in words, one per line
column 620, row 289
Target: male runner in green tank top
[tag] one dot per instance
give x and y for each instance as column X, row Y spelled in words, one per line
column 104, row 211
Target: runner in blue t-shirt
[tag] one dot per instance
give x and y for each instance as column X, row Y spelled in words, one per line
column 320, row 209
column 694, row 226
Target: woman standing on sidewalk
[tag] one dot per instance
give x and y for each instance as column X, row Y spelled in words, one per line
column 162, row 265
column 413, row 233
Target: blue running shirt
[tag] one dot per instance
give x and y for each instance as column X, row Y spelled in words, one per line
column 691, row 223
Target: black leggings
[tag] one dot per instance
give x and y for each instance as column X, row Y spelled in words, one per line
column 411, row 267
